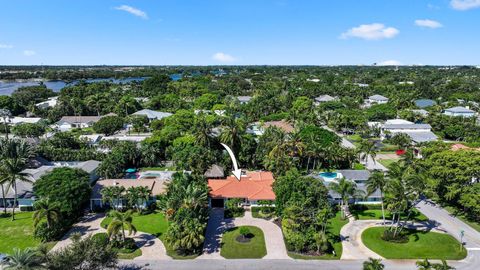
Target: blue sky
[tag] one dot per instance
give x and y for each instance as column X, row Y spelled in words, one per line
column 244, row 32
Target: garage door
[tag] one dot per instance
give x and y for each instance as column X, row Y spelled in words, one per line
column 217, row 203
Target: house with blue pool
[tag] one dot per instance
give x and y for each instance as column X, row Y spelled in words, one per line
column 360, row 177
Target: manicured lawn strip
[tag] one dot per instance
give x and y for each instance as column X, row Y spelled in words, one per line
column 377, row 214
column 387, row 162
column 232, row 249
column 336, row 225
column 462, row 217
column 17, row 233
column 155, row 224
column 130, row 256
column 421, row 245
column 256, row 213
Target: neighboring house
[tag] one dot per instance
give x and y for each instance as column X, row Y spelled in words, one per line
column 360, row 178
column 424, row 103
column 152, row 115
column 377, row 99
column 49, row 103
column 421, row 112
column 69, row 122
column 26, row 197
column 215, row 171
column 217, row 112
column 362, row 84
column 155, row 185
column 130, row 138
column 417, row 132
column 251, row 188
column 244, row 99
column 258, row 128
column 459, row 111
column 93, row 139
column 325, row 98
column 22, row 120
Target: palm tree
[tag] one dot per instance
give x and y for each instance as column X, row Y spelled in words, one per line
column 26, row 259
column 373, row 264
column 231, row 132
column 15, row 155
column 5, row 115
column 377, row 181
column 113, row 195
column 119, row 222
column 443, row 266
column 346, row 189
column 367, row 149
column 423, row 265
column 46, row 209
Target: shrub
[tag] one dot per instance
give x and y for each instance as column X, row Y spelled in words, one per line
column 45, row 234
column 101, row 238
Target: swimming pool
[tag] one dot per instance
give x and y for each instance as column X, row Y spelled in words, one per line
column 330, row 176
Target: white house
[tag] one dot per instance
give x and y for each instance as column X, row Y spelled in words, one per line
column 152, row 115
column 244, row 99
column 49, row 103
column 459, row 111
column 22, row 120
column 324, row 98
column 69, row 122
column 26, row 197
column 417, row 132
column 377, row 99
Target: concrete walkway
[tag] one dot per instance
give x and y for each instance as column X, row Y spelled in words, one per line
column 217, row 226
column 152, row 248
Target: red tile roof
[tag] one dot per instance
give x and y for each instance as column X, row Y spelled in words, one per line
column 253, row 186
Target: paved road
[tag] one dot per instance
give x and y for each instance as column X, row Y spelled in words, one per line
column 450, row 224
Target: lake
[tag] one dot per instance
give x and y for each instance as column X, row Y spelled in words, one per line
column 7, row 87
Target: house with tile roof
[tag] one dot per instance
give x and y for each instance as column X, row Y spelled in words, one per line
column 251, row 188
column 258, row 128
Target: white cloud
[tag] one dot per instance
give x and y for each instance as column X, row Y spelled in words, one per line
column 390, row 63
column 374, row 31
column 464, row 4
column 428, row 23
column 29, row 53
column 223, row 57
column 134, row 11
column 5, row 46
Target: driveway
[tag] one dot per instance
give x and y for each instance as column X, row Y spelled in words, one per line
column 152, row 248
column 217, row 226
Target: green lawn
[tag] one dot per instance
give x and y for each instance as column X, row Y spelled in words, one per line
column 387, row 162
column 18, row 233
column 232, row 249
column 336, row 225
column 155, row 224
column 463, row 218
column 367, row 214
column 256, row 213
column 421, row 245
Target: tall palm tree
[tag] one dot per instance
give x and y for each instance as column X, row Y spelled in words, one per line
column 367, row 149
column 373, row 264
column 46, row 209
column 346, row 189
column 5, row 115
column 377, row 181
column 231, row 132
column 119, row 222
column 26, row 259
column 15, row 155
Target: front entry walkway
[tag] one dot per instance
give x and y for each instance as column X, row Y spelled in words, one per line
column 217, row 226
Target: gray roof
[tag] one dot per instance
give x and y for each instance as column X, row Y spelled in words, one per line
column 459, row 109
column 424, row 103
column 407, row 126
column 80, row 119
column 355, row 174
column 325, row 98
column 215, row 171
column 244, row 98
column 378, row 97
column 152, row 114
column 423, row 136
